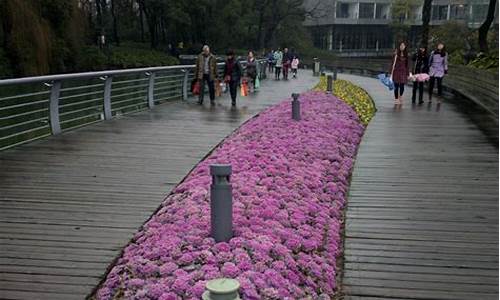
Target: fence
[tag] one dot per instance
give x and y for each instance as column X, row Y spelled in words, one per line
column 36, row 107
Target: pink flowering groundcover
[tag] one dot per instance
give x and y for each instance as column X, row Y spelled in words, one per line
column 290, row 181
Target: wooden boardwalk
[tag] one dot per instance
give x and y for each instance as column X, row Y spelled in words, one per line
column 422, row 216
column 70, row 203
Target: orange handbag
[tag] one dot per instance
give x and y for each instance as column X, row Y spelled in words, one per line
column 244, row 89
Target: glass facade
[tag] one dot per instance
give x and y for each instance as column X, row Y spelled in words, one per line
column 343, row 10
column 439, row 12
column 366, row 10
column 479, row 12
column 382, row 11
column 459, row 11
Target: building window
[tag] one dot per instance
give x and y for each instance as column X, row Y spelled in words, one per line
column 366, row 10
column 382, row 11
column 342, row 10
column 440, row 12
column 458, row 11
column 479, row 12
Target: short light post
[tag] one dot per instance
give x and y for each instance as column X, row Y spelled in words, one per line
column 329, row 83
column 221, row 203
column 295, row 107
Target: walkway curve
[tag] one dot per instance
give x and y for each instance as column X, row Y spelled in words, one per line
column 70, row 203
column 422, row 215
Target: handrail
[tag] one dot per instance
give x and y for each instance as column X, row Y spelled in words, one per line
column 49, row 104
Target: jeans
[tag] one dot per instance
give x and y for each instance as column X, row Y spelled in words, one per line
column 420, row 87
column 431, row 86
column 400, row 87
column 233, row 90
column 277, row 72
column 211, row 88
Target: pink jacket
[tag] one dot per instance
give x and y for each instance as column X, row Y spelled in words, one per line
column 295, row 63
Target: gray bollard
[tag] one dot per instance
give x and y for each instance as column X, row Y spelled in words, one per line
column 335, row 74
column 329, row 83
column 221, row 203
column 295, row 107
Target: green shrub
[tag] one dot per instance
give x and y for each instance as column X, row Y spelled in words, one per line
column 92, row 59
column 5, row 68
column 122, row 57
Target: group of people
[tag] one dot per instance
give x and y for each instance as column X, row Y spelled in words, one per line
column 282, row 61
column 434, row 64
column 206, row 73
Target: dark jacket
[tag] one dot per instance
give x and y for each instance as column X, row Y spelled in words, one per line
column 236, row 72
column 420, row 63
column 212, row 66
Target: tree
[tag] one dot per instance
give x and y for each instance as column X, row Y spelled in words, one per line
column 485, row 27
column 426, row 18
column 400, row 12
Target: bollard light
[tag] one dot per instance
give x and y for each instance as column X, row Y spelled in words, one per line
column 329, row 83
column 221, row 203
column 222, row 289
column 295, row 107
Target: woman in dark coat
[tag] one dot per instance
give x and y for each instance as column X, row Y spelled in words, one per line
column 400, row 72
column 232, row 75
column 421, row 66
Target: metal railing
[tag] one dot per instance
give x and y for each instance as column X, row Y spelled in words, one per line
column 36, row 107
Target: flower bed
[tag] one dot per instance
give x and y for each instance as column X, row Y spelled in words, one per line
column 353, row 95
column 290, row 182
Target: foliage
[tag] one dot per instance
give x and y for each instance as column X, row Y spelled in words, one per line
column 5, row 68
column 353, row 95
column 455, row 35
column 488, row 62
column 124, row 57
column 401, row 10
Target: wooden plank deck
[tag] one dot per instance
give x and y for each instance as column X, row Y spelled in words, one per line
column 422, row 216
column 69, row 203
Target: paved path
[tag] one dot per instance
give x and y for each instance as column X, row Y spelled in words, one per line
column 70, row 203
column 422, row 217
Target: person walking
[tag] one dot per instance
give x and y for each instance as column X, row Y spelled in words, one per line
column 252, row 70
column 287, row 60
column 400, row 72
column 232, row 75
column 438, row 67
column 421, row 60
column 206, row 72
column 295, row 65
column 270, row 61
column 278, row 59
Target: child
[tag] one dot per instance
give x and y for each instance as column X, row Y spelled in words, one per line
column 295, row 66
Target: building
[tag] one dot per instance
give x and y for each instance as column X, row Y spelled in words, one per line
column 363, row 26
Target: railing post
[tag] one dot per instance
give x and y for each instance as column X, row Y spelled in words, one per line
column 295, row 107
column 221, row 203
column 151, row 89
column 222, row 289
column 55, row 90
column 185, row 84
column 107, row 97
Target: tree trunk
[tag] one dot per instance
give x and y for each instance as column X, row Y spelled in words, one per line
column 426, row 18
column 485, row 27
column 115, row 25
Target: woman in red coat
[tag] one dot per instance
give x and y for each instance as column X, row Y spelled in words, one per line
column 400, row 72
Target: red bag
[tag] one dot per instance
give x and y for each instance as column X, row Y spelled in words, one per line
column 195, row 88
column 244, row 89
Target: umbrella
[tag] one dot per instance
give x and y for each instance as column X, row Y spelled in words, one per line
column 387, row 81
